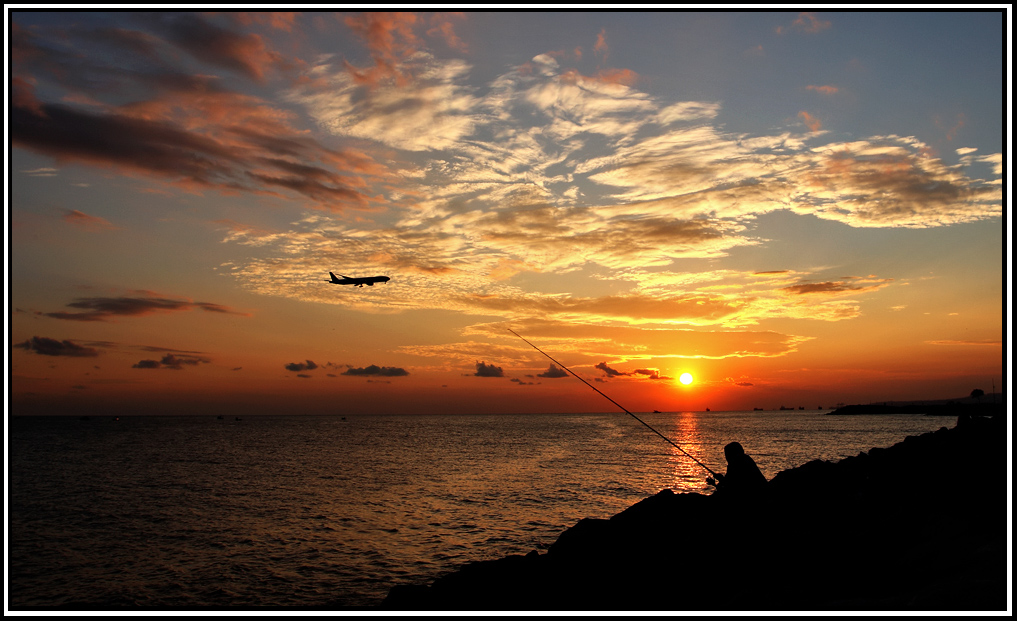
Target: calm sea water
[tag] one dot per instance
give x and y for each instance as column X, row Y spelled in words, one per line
column 322, row 511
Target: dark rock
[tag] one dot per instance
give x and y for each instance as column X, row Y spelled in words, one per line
column 917, row 526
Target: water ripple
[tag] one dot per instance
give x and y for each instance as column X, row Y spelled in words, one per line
column 317, row 511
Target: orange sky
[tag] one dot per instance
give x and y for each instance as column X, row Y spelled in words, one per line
column 785, row 205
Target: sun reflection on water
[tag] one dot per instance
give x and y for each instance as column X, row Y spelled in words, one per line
column 687, row 475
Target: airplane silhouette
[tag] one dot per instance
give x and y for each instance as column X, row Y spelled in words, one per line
column 360, row 282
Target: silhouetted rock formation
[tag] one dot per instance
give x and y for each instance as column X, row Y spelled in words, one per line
column 917, row 526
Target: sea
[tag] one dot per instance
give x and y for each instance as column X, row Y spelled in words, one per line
column 331, row 512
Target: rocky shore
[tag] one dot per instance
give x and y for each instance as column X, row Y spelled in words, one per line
column 919, row 526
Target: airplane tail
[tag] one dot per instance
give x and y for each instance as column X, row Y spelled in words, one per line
column 334, row 279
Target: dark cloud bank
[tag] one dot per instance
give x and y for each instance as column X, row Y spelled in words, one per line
column 52, row 347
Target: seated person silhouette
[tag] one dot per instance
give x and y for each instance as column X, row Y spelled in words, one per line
column 743, row 478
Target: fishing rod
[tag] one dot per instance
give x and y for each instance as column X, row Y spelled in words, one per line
column 666, row 439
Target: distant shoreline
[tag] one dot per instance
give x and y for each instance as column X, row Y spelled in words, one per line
column 929, row 409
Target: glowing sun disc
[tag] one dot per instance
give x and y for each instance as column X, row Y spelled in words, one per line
column 685, row 378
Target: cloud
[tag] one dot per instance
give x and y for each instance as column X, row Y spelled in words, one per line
column 653, row 374
column 694, row 309
column 589, row 343
column 976, row 342
column 810, row 121
column 608, row 371
column 124, row 40
column 430, row 113
column 488, row 370
column 951, row 129
column 87, row 222
column 994, row 159
column 106, row 308
column 390, row 38
column 553, row 372
column 551, row 238
column 375, row 370
column 191, row 131
column 835, row 287
column 824, row 90
column 171, row 361
column 133, row 143
column 462, row 265
column 442, row 25
column 887, row 183
column 165, row 150
column 523, row 383
column 545, row 170
column 805, row 22
column 245, row 54
column 279, row 20
column 23, row 97
column 40, row 172
column 693, row 171
column 301, row 366
column 52, row 347
column 601, row 44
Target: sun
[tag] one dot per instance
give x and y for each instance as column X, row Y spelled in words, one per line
column 685, row 378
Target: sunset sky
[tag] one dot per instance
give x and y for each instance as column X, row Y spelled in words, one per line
column 797, row 209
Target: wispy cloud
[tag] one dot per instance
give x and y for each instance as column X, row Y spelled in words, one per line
column 432, row 114
column 280, row 20
column 189, row 130
column 244, row 53
column 590, row 344
column 87, row 222
column 952, row 129
column 52, row 347
column 106, row 308
column 837, row 287
column 979, row 342
column 601, row 45
column 443, row 25
column 810, row 121
column 806, row 22
column 40, row 172
column 823, row 90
